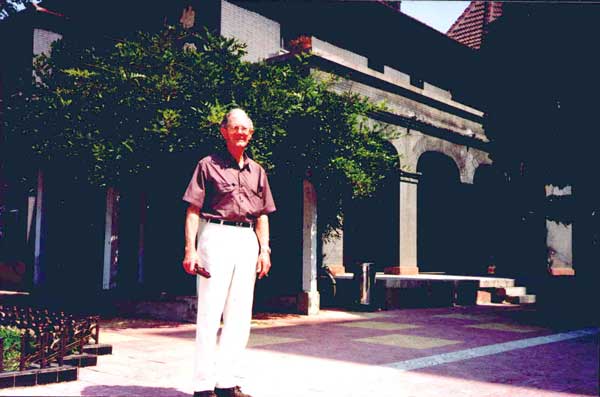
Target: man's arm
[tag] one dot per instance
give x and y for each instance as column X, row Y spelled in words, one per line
column 192, row 223
column 263, row 264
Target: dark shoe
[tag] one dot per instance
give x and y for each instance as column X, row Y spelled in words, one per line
column 205, row 393
column 231, row 392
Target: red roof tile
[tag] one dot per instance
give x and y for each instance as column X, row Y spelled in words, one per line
column 470, row 28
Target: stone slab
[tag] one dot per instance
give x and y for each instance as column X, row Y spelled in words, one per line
column 410, row 341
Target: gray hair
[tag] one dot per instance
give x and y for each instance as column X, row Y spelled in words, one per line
column 231, row 112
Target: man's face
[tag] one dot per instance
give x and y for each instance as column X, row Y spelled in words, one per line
column 238, row 131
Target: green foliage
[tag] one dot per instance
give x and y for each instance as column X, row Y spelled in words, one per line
column 12, row 347
column 112, row 115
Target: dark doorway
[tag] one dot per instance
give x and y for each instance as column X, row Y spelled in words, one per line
column 278, row 291
column 486, row 213
column 371, row 226
column 164, row 236
column 74, row 245
column 442, row 224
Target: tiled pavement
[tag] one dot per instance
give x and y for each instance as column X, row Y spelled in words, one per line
column 474, row 351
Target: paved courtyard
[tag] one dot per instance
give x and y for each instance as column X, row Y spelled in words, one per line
column 472, row 351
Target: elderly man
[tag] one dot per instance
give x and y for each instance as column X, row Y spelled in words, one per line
column 231, row 194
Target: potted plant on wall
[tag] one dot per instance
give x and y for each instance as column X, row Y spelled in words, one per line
column 301, row 43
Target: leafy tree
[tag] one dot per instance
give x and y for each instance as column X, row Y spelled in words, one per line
column 111, row 116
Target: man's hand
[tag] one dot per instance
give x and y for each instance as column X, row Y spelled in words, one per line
column 192, row 221
column 190, row 261
column 263, row 265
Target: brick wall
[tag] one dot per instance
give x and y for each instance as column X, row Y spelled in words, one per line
column 262, row 35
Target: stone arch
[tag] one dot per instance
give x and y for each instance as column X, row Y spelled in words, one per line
column 413, row 144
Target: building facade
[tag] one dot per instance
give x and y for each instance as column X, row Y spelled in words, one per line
column 427, row 218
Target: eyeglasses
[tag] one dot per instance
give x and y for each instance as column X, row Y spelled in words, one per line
column 238, row 128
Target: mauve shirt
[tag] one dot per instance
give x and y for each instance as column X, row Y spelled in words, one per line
column 223, row 190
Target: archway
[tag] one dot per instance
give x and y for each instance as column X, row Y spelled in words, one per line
column 371, row 224
column 441, row 221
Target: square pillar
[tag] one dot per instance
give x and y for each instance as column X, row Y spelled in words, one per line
column 408, row 226
column 39, row 262
column 559, row 235
column 308, row 300
column 111, row 240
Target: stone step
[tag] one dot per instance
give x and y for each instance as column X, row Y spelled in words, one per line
column 98, row 349
column 81, row 360
column 521, row 299
column 515, row 291
column 493, row 282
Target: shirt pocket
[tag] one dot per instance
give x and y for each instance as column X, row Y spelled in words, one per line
column 225, row 188
column 223, row 196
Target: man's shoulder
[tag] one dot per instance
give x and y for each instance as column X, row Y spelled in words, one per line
column 255, row 165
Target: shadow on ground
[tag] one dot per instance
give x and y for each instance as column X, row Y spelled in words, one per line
column 128, row 390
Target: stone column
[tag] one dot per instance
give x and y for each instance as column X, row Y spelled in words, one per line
column 308, row 299
column 141, row 241
column 111, row 240
column 39, row 264
column 408, row 226
column 559, row 237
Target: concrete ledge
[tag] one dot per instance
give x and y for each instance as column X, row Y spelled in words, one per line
column 34, row 377
column 81, row 360
column 402, row 270
column 562, row 271
column 99, row 349
column 422, row 290
column 337, row 269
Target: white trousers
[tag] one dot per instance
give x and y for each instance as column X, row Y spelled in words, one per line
column 229, row 253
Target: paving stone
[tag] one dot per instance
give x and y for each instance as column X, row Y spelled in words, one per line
column 379, row 325
column 410, row 341
column 264, row 340
column 504, row 327
column 317, row 357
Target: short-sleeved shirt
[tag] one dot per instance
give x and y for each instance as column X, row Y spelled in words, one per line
column 222, row 190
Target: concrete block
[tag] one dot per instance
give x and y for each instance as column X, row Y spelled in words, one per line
column 513, row 291
column 492, row 282
column 523, row 299
column 406, row 270
column 308, row 303
column 98, row 349
column 484, row 297
column 67, row 374
column 337, row 269
column 81, row 360
column 7, row 379
column 562, row 271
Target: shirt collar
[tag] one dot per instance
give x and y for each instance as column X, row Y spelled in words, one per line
column 230, row 161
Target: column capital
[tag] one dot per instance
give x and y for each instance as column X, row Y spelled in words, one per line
column 409, row 177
